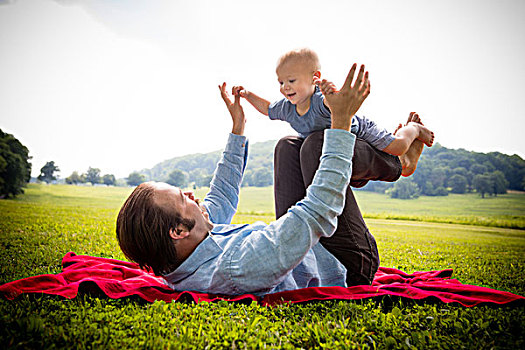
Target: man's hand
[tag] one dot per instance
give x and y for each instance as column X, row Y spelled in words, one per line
column 235, row 110
column 346, row 102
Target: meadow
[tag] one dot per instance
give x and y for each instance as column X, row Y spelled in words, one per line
column 483, row 240
column 501, row 211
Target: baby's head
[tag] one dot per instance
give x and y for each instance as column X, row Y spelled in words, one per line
column 295, row 72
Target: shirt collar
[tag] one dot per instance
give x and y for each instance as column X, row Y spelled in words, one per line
column 207, row 250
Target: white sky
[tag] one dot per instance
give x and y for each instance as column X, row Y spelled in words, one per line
column 122, row 85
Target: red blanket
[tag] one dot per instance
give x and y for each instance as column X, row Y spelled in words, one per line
column 118, row 279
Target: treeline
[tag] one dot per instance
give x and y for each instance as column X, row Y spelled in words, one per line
column 440, row 171
column 93, row 176
column 197, row 169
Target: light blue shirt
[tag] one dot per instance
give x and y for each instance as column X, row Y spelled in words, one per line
column 259, row 258
column 318, row 117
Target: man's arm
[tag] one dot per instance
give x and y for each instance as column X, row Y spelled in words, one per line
column 257, row 102
column 222, row 199
column 271, row 253
column 221, row 202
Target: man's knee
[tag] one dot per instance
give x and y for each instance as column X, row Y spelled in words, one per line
column 369, row 163
column 287, row 146
column 312, row 146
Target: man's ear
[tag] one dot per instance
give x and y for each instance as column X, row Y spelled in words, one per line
column 179, row 233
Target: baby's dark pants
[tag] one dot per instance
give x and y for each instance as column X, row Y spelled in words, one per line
column 295, row 163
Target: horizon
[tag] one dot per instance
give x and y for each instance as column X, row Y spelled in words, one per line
column 60, row 177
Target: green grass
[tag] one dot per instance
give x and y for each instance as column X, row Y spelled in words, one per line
column 502, row 211
column 38, row 228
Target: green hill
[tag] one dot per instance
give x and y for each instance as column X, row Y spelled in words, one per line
column 199, row 167
column 440, row 170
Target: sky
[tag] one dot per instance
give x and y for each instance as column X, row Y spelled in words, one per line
column 122, row 85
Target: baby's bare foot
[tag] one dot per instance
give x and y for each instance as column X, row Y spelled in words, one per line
column 411, row 157
column 398, row 127
column 411, row 115
column 414, row 117
column 425, row 134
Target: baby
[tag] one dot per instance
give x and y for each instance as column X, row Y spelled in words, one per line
column 303, row 107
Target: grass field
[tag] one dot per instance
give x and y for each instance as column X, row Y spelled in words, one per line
column 38, row 228
column 502, row 211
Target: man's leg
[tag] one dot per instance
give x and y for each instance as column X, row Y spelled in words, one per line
column 352, row 243
column 368, row 163
column 288, row 182
column 289, row 187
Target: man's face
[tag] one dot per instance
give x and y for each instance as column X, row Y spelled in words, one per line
column 185, row 204
column 296, row 81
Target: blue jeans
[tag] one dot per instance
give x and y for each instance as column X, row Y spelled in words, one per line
column 295, row 163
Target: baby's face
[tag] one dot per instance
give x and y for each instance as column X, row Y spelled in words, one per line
column 296, row 81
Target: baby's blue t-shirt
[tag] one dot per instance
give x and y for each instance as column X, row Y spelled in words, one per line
column 318, row 118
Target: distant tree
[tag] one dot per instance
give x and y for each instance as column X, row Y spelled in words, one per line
column 93, row 175
column 135, row 178
column 247, row 178
column 109, row 179
column 74, row 178
column 430, row 177
column 441, row 191
column 459, row 171
column 15, row 169
column 262, row 177
column 203, row 181
column 463, row 172
column 47, row 172
column 199, row 177
column 177, row 178
column 478, row 169
column 463, row 162
column 404, row 189
column 437, row 177
column 498, row 182
column 482, row 184
column 514, row 171
column 489, row 166
column 378, row 186
column 458, row 183
column 195, row 174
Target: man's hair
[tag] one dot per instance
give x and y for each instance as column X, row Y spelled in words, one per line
column 304, row 55
column 143, row 231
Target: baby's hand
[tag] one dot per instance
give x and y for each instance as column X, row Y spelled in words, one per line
column 326, row 87
column 239, row 91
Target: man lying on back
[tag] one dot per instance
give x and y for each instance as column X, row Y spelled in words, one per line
column 194, row 246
